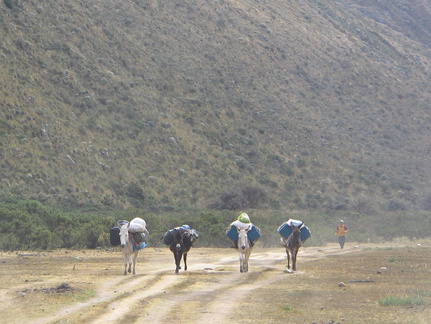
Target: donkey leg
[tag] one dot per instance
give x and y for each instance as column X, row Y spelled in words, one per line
column 246, row 263
column 135, row 257
column 246, row 258
column 242, row 260
column 185, row 261
column 125, row 265
column 177, row 262
column 288, row 259
column 294, row 253
column 130, row 259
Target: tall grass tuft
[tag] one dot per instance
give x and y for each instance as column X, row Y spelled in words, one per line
column 402, row 301
column 287, row 308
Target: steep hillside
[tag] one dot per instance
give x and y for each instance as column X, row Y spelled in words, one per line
column 296, row 104
column 412, row 19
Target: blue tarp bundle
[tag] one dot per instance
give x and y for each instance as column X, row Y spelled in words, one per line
column 139, row 246
column 253, row 234
column 285, row 230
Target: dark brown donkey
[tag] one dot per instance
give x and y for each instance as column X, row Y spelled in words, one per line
column 292, row 244
column 179, row 246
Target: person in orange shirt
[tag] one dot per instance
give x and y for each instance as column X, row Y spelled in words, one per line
column 341, row 232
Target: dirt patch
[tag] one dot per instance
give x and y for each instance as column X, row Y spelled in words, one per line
column 61, row 289
column 88, row 286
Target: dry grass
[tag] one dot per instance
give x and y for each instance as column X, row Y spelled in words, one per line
column 213, row 289
column 313, row 294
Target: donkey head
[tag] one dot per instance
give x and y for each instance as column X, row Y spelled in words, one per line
column 296, row 231
column 178, row 239
column 242, row 238
column 124, row 233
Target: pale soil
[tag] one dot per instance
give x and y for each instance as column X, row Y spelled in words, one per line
column 210, row 291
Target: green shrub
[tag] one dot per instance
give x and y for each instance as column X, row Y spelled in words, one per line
column 11, row 4
column 286, row 169
column 301, row 163
column 241, row 197
column 287, row 308
column 135, row 191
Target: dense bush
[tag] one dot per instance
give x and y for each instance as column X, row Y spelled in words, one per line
column 363, row 205
column 11, row 4
column 30, row 225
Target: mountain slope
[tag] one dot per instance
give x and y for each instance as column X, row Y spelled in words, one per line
column 153, row 103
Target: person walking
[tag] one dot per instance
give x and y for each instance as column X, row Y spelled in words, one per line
column 341, row 232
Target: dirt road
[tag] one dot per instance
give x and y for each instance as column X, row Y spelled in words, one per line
column 210, row 291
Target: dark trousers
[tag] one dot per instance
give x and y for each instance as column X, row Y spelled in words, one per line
column 341, row 240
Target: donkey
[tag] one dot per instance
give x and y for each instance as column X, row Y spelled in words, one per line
column 244, row 248
column 179, row 246
column 130, row 254
column 292, row 245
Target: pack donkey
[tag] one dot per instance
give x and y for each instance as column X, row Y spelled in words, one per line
column 132, row 236
column 244, row 248
column 292, row 245
column 130, row 254
column 179, row 246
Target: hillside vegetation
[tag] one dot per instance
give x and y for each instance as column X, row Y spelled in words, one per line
column 289, row 105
